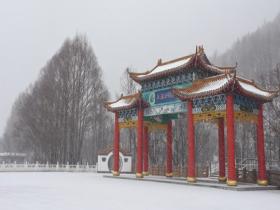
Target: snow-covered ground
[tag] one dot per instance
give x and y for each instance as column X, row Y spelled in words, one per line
column 83, row 191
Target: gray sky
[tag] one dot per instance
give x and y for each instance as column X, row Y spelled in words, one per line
column 123, row 33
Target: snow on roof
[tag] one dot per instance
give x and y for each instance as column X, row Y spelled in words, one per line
column 209, row 86
column 216, row 84
column 126, row 102
column 213, row 85
column 123, row 102
column 167, row 66
column 253, row 89
column 198, row 59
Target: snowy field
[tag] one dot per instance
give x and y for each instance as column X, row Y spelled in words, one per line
column 83, row 191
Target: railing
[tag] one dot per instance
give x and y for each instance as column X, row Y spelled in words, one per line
column 249, row 164
column 213, row 168
column 252, row 163
column 40, row 167
column 274, row 165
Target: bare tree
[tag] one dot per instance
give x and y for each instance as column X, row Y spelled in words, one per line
column 61, row 117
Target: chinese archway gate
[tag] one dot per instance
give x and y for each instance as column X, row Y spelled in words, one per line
column 191, row 85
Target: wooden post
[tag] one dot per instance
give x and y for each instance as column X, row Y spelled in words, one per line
column 231, row 181
column 169, row 158
column 262, row 178
column 221, row 136
column 116, row 146
column 146, row 152
column 139, row 143
column 191, row 177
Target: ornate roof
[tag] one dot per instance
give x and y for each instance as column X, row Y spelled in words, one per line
column 224, row 83
column 198, row 59
column 126, row 102
column 110, row 148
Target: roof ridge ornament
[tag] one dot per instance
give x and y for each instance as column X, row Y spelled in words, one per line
column 234, row 80
column 200, row 49
column 236, row 64
column 234, row 74
column 195, row 56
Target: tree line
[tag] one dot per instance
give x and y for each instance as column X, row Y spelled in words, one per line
column 61, row 116
column 258, row 57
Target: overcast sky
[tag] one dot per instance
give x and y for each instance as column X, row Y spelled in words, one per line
column 122, row 33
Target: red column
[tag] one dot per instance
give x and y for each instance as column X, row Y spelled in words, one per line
column 116, row 146
column 191, row 145
column 231, row 181
column 169, row 150
column 146, row 152
column 139, row 143
column 221, row 136
column 262, row 179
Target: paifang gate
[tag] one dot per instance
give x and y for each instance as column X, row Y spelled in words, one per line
column 193, row 87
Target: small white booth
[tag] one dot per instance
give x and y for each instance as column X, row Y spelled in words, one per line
column 105, row 162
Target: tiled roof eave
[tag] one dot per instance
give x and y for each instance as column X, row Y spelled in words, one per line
column 190, row 96
column 258, row 97
column 116, row 109
column 160, row 74
column 135, row 96
column 215, row 69
column 197, row 90
column 188, row 66
column 134, row 104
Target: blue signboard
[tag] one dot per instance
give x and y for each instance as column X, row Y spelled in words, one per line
column 164, row 96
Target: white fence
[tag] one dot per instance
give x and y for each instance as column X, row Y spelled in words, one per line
column 39, row 167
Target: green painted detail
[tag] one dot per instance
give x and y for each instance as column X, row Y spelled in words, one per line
column 177, row 79
column 150, row 96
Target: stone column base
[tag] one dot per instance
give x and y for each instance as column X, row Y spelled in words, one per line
column 222, row 179
column 262, row 182
column 146, row 173
column 169, row 174
column 139, row 175
column 116, row 173
column 231, row 182
column 191, row 179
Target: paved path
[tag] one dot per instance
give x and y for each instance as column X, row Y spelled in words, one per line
column 201, row 182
